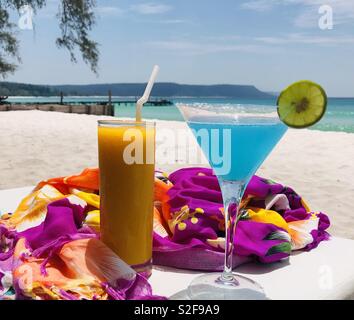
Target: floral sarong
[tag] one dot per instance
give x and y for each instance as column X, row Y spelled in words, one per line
column 189, row 225
column 50, row 247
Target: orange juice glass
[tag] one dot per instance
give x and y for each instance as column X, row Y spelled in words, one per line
column 127, row 165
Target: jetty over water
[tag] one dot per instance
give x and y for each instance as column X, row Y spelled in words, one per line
column 86, row 106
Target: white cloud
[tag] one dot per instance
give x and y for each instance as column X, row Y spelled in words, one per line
column 201, row 48
column 258, row 5
column 139, row 9
column 150, row 8
column 234, row 44
column 110, row 11
column 306, row 39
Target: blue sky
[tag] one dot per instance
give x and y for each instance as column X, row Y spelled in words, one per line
column 266, row 43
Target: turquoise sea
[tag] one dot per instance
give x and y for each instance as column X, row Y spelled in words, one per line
column 339, row 115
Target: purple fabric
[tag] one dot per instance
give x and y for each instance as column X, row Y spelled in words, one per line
column 195, row 255
column 63, row 219
column 8, row 240
column 63, row 224
column 139, row 289
column 320, row 234
column 199, row 188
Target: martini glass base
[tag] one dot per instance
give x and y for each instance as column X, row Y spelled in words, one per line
column 213, row 287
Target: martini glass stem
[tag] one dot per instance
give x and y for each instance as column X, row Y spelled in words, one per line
column 232, row 192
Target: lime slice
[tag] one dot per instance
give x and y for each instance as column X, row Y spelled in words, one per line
column 302, row 104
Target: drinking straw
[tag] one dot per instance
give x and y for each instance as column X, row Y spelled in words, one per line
column 146, row 95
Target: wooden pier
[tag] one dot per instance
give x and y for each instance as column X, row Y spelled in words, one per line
column 94, row 109
column 80, row 107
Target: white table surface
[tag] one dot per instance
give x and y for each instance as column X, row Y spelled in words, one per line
column 327, row 272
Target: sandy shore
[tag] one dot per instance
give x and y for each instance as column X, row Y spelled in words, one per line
column 37, row 145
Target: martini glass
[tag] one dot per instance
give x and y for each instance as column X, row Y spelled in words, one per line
column 235, row 140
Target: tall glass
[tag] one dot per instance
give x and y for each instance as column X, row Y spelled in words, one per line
column 235, row 140
column 127, row 165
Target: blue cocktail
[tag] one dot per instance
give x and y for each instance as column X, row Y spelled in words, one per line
column 235, row 141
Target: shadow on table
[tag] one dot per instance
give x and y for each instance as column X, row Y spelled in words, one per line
column 243, row 295
column 246, row 269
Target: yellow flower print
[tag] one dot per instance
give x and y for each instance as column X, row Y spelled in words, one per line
column 183, row 214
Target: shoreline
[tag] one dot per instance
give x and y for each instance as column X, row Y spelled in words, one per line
column 338, row 118
column 37, row 145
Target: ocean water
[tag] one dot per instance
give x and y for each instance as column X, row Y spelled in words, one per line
column 339, row 115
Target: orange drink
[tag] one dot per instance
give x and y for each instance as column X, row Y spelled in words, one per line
column 127, row 164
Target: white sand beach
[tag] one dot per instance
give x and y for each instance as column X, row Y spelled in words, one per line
column 37, row 145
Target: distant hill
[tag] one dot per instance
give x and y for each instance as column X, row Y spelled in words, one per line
column 22, row 89
column 166, row 89
column 162, row 89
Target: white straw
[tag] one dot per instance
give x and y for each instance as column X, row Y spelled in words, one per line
column 146, row 95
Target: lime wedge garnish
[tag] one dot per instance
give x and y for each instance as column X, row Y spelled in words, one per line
column 302, row 104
